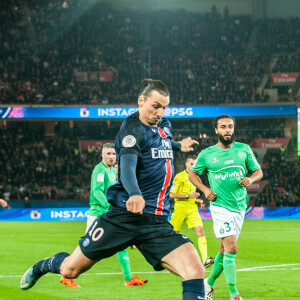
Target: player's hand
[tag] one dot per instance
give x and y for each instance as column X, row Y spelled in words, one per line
column 186, row 144
column 210, row 195
column 135, row 204
column 3, row 202
column 194, row 195
column 246, row 181
column 200, row 202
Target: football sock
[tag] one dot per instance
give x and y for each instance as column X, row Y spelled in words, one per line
column 193, row 289
column 202, row 247
column 230, row 273
column 125, row 264
column 217, row 269
column 51, row 264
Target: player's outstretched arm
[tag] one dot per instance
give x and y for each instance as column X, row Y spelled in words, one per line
column 3, row 202
column 187, row 143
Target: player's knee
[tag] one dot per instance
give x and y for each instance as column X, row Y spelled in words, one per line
column 232, row 249
column 195, row 272
column 69, row 273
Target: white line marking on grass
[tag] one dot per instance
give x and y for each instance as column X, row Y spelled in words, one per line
column 261, row 268
column 277, row 267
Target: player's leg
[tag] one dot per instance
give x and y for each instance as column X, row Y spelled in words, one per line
column 164, row 248
column 230, row 250
column 227, row 226
column 103, row 239
column 217, row 268
column 178, row 217
column 194, row 221
column 70, row 282
column 125, row 265
column 185, row 262
column 70, row 266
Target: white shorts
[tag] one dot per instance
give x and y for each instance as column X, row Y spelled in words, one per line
column 89, row 222
column 226, row 223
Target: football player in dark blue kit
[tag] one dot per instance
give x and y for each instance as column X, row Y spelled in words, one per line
column 139, row 201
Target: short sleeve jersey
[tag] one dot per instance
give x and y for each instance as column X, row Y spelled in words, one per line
column 154, row 171
column 102, row 178
column 182, row 185
column 225, row 168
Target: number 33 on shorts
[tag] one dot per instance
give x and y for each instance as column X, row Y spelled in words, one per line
column 227, row 228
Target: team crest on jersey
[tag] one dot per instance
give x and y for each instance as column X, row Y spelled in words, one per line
column 86, row 242
column 166, row 130
column 128, row 141
column 215, row 160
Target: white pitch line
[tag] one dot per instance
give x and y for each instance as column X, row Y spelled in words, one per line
column 261, row 268
column 266, row 267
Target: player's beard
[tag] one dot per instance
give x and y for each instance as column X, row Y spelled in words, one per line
column 224, row 141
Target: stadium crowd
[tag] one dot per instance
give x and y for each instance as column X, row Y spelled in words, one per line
column 284, row 186
column 52, row 53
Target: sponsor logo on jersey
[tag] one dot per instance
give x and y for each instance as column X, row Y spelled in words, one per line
column 215, row 160
column 233, row 175
column 153, row 130
column 156, row 153
column 166, row 144
column 128, row 141
column 227, row 162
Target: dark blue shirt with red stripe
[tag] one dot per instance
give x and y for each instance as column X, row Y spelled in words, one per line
column 155, row 167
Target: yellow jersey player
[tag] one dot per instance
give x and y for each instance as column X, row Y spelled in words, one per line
column 186, row 208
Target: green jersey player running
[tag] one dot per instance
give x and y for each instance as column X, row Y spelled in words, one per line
column 227, row 164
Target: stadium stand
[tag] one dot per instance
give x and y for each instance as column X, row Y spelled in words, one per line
column 53, row 54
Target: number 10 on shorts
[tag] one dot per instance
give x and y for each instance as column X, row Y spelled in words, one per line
column 97, row 233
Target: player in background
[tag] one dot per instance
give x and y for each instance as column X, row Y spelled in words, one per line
column 140, row 203
column 227, row 164
column 3, row 203
column 186, row 208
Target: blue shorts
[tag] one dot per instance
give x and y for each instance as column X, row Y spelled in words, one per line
column 118, row 229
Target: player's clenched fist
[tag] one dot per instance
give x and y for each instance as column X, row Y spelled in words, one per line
column 210, row 195
column 135, row 204
column 246, row 181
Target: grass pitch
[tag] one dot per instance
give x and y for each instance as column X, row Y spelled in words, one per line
column 268, row 263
